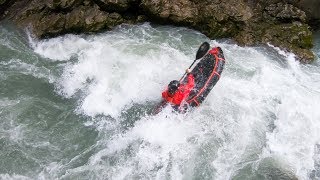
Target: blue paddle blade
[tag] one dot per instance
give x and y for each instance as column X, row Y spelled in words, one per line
column 203, row 49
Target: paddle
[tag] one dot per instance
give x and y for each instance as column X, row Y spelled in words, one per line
column 203, row 49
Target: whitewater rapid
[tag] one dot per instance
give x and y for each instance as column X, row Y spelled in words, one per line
column 260, row 121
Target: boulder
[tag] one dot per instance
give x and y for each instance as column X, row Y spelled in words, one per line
column 225, row 19
column 311, row 8
column 283, row 23
column 2, row 1
column 296, row 38
column 91, row 20
column 284, row 13
column 114, row 5
column 180, row 12
column 62, row 4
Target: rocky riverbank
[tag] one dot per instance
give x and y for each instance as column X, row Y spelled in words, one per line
column 284, row 23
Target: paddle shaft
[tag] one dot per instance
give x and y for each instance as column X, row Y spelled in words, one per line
column 203, row 49
column 188, row 68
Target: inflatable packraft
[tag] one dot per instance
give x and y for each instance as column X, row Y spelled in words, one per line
column 207, row 72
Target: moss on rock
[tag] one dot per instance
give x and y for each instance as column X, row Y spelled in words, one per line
column 293, row 37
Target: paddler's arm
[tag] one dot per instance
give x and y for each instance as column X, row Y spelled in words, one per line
column 190, row 78
column 188, row 71
column 164, row 94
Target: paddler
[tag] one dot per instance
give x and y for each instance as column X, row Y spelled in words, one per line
column 177, row 92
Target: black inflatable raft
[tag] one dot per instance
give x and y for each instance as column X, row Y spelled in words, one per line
column 207, row 72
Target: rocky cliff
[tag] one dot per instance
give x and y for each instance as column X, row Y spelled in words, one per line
column 284, row 23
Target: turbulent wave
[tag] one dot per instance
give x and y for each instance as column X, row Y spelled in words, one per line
column 259, row 122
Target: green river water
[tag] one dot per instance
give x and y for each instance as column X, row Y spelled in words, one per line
column 76, row 107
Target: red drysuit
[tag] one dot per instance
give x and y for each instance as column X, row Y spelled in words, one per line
column 182, row 92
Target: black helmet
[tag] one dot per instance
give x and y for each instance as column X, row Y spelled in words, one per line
column 173, row 86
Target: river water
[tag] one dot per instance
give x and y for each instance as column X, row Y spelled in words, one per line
column 77, row 107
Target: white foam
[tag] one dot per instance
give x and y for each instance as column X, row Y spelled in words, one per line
column 60, row 48
column 132, row 64
column 112, row 75
column 14, row 177
column 29, row 69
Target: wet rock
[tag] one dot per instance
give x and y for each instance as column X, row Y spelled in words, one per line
column 91, row 20
column 62, row 4
column 2, row 1
column 282, row 23
column 311, row 8
column 284, row 13
column 44, row 22
column 114, row 5
column 177, row 11
column 296, row 38
column 223, row 19
column 51, row 24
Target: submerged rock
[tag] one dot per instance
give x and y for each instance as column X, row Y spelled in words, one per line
column 279, row 22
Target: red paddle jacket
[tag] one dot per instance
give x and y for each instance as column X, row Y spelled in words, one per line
column 182, row 92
